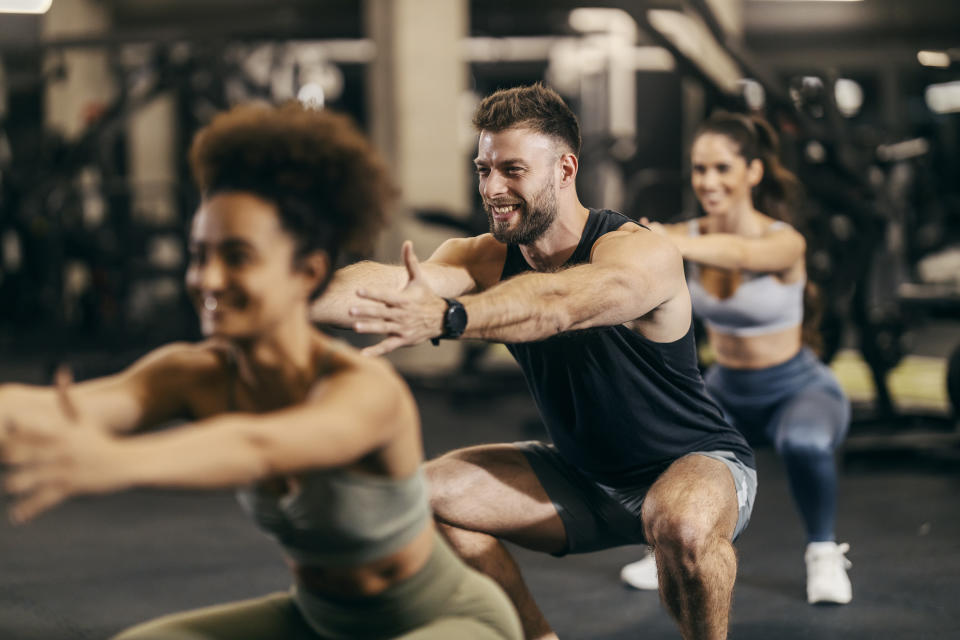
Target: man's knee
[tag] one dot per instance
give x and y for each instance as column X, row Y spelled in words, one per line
column 692, row 507
column 679, row 532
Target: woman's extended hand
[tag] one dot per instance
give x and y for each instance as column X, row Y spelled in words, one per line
column 656, row 227
column 52, row 462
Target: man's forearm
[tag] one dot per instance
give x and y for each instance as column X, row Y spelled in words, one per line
column 514, row 311
column 333, row 306
column 536, row 306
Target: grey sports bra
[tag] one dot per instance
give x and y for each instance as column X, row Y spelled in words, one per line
column 760, row 305
column 341, row 518
column 337, row 517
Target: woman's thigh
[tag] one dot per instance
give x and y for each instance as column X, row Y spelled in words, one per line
column 449, row 628
column 477, row 610
column 271, row 617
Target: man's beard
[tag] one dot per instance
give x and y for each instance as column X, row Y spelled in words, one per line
column 536, row 216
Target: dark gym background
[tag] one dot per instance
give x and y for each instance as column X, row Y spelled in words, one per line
column 99, row 100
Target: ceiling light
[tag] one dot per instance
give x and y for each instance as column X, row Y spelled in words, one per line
column 943, row 98
column 934, row 58
column 753, row 93
column 25, row 6
column 848, row 96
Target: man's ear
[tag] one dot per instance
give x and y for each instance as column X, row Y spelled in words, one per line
column 569, row 164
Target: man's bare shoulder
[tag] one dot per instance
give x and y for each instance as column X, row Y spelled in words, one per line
column 483, row 244
column 481, row 256
column 630, row 227
column 469, row 251
column 631, row 237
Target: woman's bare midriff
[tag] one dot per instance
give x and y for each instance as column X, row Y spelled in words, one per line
column 755, row 352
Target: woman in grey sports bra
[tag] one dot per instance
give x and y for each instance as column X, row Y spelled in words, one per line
column 746, row 275
column 322, row 442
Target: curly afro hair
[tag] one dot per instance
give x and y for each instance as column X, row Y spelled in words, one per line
column 330, row 186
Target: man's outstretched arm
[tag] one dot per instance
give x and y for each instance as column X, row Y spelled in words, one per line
column 332, row 307
column 449, row 272
column 630, row 274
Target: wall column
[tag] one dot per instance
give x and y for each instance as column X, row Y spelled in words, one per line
column 415, row 88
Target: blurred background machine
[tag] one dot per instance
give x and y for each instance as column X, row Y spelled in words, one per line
column 99, row 99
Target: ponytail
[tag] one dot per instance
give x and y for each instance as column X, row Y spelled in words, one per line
column 779, row 191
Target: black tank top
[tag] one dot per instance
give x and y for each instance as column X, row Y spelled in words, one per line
column 618, row 406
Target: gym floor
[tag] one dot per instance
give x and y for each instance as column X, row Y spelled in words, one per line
column 97, row 565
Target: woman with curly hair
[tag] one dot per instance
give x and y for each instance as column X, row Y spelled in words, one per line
column 322, row 442
column 747, row 279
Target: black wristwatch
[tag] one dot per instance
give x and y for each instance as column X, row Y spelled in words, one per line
column 454, row 321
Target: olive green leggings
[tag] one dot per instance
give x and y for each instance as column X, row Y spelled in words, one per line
column 443, row 600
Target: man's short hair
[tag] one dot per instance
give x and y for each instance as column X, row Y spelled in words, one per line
column 534, row 107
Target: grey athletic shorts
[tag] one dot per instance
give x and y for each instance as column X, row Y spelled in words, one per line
column 597, row 517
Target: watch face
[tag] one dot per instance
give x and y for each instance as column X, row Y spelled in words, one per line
column 456, row 319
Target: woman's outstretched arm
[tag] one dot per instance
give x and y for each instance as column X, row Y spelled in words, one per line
column 351, row 414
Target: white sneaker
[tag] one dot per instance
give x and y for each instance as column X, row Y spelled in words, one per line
column 641, row 574
column 827, row 579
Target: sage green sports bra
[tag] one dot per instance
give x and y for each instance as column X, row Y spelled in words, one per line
column 341, row 518
column 338, row 517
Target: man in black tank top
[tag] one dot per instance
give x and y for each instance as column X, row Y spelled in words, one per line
column 596, row 311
